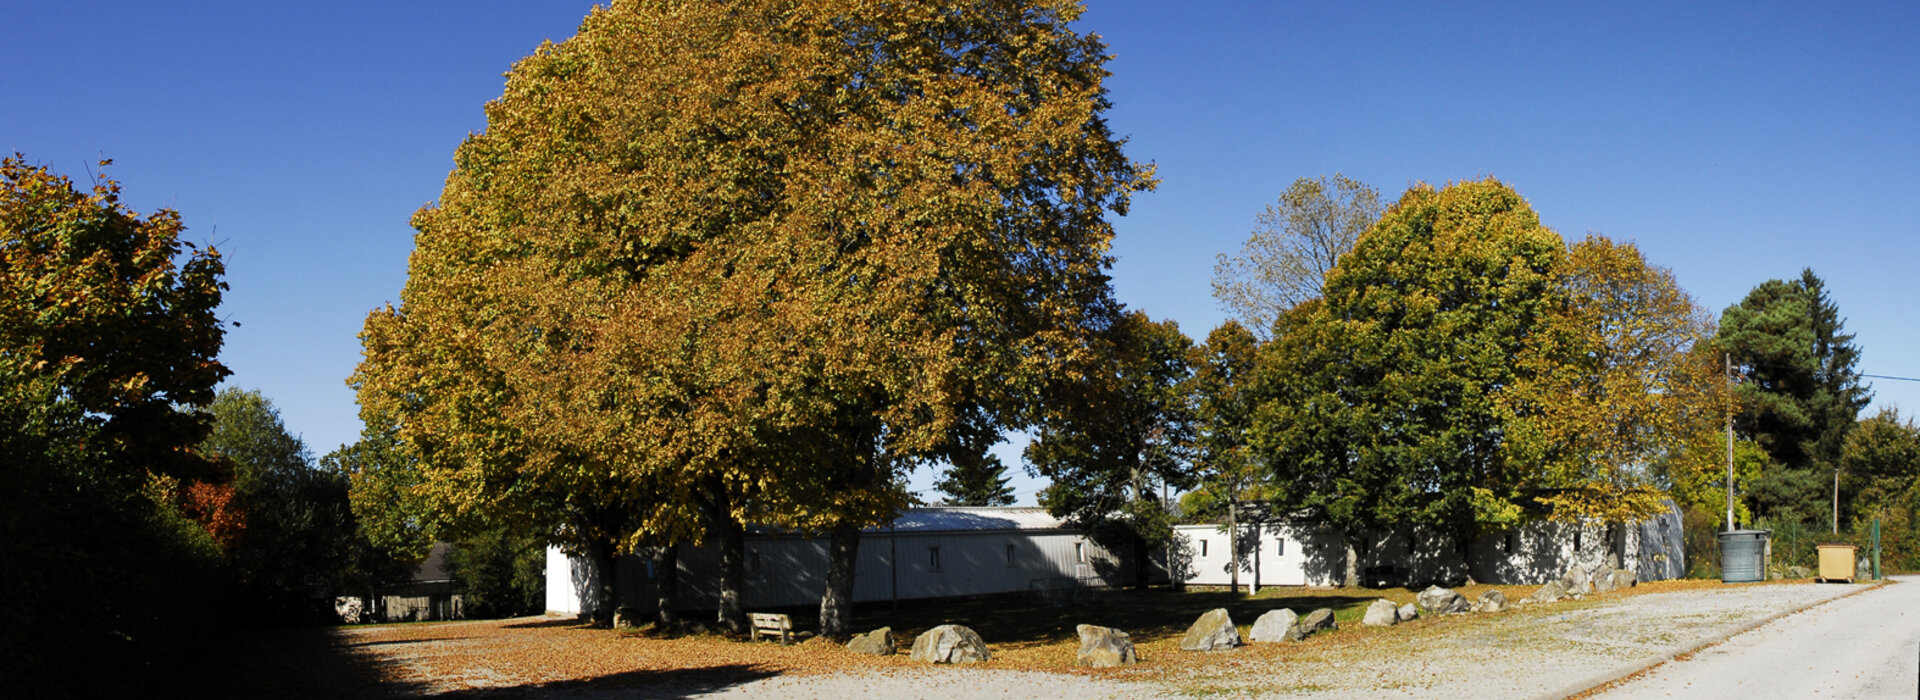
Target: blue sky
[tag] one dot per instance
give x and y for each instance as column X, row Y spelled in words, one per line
column 1734, row 142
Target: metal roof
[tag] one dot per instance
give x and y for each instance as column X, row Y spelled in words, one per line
column 971, row 519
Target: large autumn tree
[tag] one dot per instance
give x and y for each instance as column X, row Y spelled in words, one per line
column 717, row 264
column 1618, row 383
column 108, row 340
column 1381, row 400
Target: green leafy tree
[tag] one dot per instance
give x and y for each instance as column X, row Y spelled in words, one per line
column 1380, row 403
column 384, row 490
column 500, row 573
column 107, row 330
column 1799, row 391
column 1221, row 390
column 301, row 544
column 1123, row 427
column 979, row 480
column 713, row 265
column 1880, row 461
column 1295, row 243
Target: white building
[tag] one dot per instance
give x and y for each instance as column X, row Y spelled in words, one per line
column 1295, row 554
column 955, row 551
column 925, row 553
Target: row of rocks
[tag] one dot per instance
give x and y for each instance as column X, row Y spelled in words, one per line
column 1580, row 582
column 1106, row 647
column 946, row 644
column 1215, row 631
column 1100, row 647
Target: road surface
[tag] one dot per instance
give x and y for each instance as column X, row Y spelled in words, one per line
column 1861, row 646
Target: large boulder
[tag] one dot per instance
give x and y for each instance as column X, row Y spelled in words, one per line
column 1602, row 580
column 1382, row 613
column 1442, row 601
column 1623, row 578
column 876, row 643
column 1863, row 570
column 1409, row 612
column 1491, row 601
column 1552, row 591
column 1103, row 647
column 949, row 644
column 1798, row 571
column 1576, row 581
column 1214, row 631
column 1314, row 622
column 1272, row 626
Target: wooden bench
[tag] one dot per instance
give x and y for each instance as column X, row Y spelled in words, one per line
column 771, row 624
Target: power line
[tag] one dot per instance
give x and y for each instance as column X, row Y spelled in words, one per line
column 1882, row 376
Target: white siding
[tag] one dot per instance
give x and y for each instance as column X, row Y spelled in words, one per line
column 1270, row 555
column 563, row 596
column 1291, row 554
column 792, row 570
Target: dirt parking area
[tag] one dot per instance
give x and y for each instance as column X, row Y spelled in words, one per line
column 1533, row 651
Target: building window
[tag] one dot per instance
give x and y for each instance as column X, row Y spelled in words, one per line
column 1080, row 552
column 753, row 565
column 1508, row 543
column 1203, row 548
column 1280, row 546
column 1576, row 541
column 933, row 558
column 1010, row 551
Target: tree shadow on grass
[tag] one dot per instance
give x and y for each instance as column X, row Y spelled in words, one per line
column 641, row 685
column 301, row 662
column 329, row 663
column 545, row 622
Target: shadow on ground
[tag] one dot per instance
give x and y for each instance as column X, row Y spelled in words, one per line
column 303, row 662
column 327, row 663
column 640, row 685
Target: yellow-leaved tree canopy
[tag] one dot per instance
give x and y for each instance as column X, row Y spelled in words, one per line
column 716, row 264
column 1617, row 387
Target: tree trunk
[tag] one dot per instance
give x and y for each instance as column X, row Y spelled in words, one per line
column 1353, row 560
column 836, row 603
column 732, row 536
column 1142, row 556
column 1836, row 501
column 606, row 573
column 1233, row 546
column 666, row 572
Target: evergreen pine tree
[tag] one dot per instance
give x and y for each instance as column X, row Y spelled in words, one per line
column 979, row 480
column 1800, row 392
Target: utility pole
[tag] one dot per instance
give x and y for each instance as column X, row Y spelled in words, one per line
column 1729, row 362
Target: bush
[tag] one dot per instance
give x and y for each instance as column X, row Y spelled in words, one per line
column 500, row 574
column 1702, row 541
column 1795, row 542
column 1899, row 540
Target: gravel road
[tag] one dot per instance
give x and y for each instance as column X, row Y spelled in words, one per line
column 1865, row 646
column 1535, row 652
